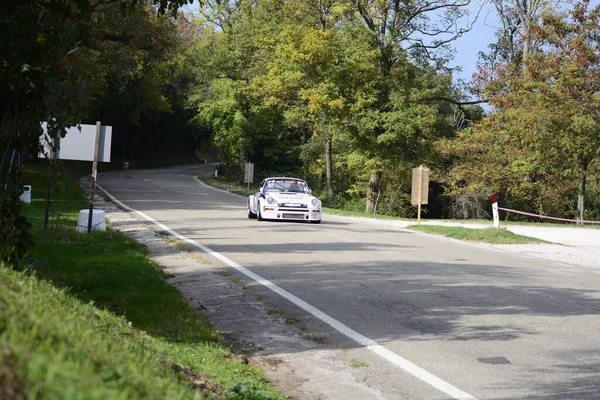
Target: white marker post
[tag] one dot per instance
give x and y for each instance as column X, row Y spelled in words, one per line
column 249, row 174
column 495, row 211
column 94, row 175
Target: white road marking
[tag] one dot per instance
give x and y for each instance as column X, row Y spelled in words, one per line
column 370, row 344
column 564, row 264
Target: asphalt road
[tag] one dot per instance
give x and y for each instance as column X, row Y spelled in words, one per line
column 443, row 319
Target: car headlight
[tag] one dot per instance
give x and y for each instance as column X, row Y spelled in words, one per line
column 315, row 202
column 271, row 200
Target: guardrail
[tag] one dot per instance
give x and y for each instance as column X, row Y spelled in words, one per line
column 495, row 210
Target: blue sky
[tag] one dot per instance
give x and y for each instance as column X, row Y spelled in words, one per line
column 471, row 43
column 482, row 34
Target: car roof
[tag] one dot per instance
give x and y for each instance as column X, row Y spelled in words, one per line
column 283, row 177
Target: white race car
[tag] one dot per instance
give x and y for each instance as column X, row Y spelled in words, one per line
column 284, row 199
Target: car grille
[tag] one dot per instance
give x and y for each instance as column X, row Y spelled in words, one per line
column 292, row 216
column 292, row 205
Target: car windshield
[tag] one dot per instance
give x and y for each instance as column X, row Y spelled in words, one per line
column 285, row 185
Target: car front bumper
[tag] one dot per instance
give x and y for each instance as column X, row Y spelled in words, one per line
column 290, row 214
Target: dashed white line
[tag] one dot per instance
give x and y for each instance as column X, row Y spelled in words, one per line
column 370, row 344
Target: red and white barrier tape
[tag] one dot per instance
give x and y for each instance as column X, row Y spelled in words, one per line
column 546, row 217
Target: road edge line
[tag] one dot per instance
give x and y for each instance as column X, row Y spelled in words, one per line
column 401, row 362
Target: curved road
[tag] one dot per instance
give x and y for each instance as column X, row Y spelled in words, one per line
column 443, row 319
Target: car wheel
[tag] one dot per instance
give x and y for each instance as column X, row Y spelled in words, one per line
column 251, row 215
column 316, row 222
column 258, row 214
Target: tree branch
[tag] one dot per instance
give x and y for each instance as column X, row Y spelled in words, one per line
column 460, row 104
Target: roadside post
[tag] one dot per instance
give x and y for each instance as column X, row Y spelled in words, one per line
column 249, row 174
column 495, row 211
column 82, row 142
column 420, row 189
column 94, row 174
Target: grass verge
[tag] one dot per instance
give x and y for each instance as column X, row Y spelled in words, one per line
column 487, row 235
column 346, row 213
column 93, row 318
column 229, row 186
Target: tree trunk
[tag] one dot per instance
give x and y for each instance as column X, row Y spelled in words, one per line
column 373, row 191
column 581, row 193
column 526, row 50
column 329, row 166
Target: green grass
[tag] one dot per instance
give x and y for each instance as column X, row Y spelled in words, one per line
column 229, row 185
column 104, row 323
column 363, row 214
column 487, row 235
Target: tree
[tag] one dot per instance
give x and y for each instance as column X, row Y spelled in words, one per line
column 225, row 61
column 40, row 40
column 135, row 65
column 514, row 42
column 322, row 75
column 547, row 120
column 565, row 82
column 404, row 32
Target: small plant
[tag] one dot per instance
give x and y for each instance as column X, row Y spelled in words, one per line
column 286, row 318
column 357, row 364
column 15, row 234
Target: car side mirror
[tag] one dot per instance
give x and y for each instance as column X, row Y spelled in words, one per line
column 309, row 191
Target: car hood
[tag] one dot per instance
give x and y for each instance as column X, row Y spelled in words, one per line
column 283, row 197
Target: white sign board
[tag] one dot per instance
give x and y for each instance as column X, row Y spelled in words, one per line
column 79, row 143
column 249, row 173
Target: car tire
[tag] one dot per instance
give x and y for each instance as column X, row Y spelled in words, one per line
column 251, row 215
column 258, row 214
column 316, row 222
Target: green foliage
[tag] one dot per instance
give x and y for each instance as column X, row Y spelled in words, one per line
column 56, row 58
column 120, row 332
column 138, row 82
column 59, row 347
column 224, row 62
column 543, row 139
column 53, row 345
column 50, row 69
column 278, row 83
column 15, row 235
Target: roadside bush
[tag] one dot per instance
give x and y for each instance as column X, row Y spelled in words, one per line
column 15, row 234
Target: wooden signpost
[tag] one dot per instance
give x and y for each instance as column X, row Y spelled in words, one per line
column 420, row 189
